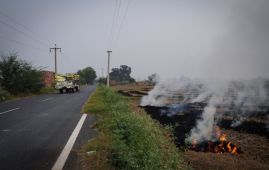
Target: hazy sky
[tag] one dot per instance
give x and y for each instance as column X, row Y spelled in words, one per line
column 197, row 38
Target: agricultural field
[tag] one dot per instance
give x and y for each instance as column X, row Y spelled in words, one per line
column 249, row 141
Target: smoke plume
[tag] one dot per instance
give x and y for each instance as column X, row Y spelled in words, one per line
column 239, row 99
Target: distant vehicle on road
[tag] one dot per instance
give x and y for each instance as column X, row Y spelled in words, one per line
column 67, row 83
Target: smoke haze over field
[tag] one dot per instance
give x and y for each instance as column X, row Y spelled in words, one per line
column 239, row 99
column 201, row 39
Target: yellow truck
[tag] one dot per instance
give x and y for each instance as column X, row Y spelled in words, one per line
column 67, row 83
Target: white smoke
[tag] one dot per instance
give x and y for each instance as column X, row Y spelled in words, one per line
column 204, row 128
column 239, row 99
column 171, row 91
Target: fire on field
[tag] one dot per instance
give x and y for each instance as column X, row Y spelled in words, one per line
column 233, row 142
column 244, row 147
column 220, row 145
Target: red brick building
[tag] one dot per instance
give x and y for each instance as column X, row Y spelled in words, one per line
column 48, row 78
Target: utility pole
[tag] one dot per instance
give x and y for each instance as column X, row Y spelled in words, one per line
column 102, row 72
column 108, row 65
column 55, row 54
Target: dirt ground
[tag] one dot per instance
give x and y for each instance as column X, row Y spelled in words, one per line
column 255, row 148
column 255, row 154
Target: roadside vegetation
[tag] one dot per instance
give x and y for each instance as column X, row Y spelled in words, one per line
column 19, row 78
column 126, row 139
column 45, row 90
column 4, row 95
column 122, row 75
column 87, row 75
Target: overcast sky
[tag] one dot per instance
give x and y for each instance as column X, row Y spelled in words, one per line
column 196, row 38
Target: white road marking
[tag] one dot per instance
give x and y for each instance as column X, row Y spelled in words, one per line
column 59, row 164
column 6, row 130
column 9, row 110
column 46, row 99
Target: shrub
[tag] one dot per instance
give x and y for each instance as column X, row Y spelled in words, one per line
column 4, row 95
column 18, row 76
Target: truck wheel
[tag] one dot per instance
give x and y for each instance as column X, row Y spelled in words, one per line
column 73, row 90
column 76, row 89
column 61, row 91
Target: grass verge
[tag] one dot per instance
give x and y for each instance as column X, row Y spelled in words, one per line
column 128, row 140
column 46, row 90
column 6, row 96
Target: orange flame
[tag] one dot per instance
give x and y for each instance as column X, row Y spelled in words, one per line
column 234, row 151
column 223, row 137
column 229, row 147
column 220, row 146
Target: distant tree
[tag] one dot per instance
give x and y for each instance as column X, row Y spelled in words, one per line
column 87, row 75
column 153, row 79
column 122, row 74
column 102, row 80
column 18, row 76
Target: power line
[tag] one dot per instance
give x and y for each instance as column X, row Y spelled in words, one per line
column 20, row 43
column 122, row 21
column 114, row 22
column 62, row 65
column 23, row 26
column 30, row 36
column 30, row 46
column 25, row 34
column 24, row 44
column 70, row 62
column 118, row 23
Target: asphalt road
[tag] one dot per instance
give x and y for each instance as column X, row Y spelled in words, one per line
column 34, row 130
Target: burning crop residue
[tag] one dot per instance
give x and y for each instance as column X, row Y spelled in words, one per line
column 180, row 116
column 220, row 145
column 196, row 108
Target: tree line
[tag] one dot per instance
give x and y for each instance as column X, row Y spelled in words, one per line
column 20, row 77
column 121, row 75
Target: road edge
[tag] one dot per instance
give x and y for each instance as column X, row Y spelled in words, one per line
column 60, row 162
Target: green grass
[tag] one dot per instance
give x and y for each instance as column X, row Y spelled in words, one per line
column 6, row 96
column 129, row 140
column 45, row 90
